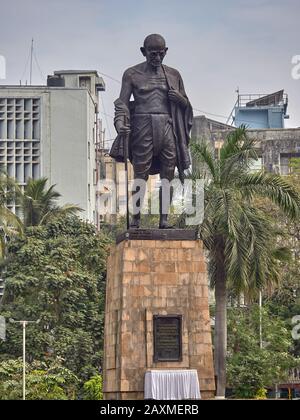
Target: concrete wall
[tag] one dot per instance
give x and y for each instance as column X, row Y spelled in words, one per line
column 251, row 118
column 67, row 146
column 259, row 117
column 275, row 146
column 91, row 157
column 67, row 121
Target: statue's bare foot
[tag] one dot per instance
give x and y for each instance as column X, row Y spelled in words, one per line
column 135, row 223
column 166, row 226
column 163, row 223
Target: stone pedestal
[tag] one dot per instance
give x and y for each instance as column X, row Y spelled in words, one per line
column 147, row 278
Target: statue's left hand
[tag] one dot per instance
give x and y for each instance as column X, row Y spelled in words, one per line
column 176, row 97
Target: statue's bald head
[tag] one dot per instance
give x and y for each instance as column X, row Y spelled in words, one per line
column 154, row 41
column 154, row 50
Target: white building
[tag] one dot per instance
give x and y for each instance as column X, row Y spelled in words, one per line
column 51, row 131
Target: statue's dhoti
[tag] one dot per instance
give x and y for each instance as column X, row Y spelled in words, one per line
column 153, row 146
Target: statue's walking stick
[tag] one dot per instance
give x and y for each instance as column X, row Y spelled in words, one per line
column 126, row 139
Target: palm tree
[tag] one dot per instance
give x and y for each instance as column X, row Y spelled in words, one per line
column 10, row 224
column 39, row 203
column 237, row 234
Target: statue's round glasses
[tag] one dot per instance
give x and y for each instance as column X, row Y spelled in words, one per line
column 154, row 54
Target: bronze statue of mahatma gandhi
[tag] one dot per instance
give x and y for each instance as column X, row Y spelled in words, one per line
column 155, row 126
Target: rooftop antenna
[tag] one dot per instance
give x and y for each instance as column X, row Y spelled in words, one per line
column 31, row 56
column 238, row 94
column 236, row 104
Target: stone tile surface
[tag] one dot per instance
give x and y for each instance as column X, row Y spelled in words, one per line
column 147, row 278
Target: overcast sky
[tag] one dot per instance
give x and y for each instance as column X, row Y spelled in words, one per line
column 217, row 45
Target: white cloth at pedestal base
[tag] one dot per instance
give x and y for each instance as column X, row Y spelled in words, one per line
column 172, row 385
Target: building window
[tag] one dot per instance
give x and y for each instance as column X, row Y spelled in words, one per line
column 102, row 170
column 89, row 150
column 89, row 192
column 20, row 138
column 95, row 177
column 286, row 160
column 85, row 82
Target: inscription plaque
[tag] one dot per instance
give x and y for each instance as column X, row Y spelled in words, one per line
column 167, row 338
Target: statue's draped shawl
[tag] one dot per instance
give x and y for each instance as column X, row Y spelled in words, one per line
column 182, row 120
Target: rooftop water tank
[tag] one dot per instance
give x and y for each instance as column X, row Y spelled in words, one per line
column 55, row 81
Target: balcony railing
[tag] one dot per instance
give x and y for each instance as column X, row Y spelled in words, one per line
column 252, row 100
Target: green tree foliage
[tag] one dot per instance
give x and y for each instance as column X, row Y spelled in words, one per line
column 284, row 301
column 39, row 204
column 295, row 169
column 92, row 389
column 251, row 369
column 239, row 236
column 10, row 224
column 43, row 382
column 57, row 274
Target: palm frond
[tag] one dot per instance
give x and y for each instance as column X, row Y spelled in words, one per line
column 274, row 187
column 206, row 163
column 66, row 210
column 237, row 155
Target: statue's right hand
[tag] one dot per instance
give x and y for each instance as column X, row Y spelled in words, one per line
column 124, row 129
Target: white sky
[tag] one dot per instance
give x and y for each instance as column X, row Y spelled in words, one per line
column 217, row 45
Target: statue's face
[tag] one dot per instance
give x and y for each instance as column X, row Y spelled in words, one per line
column 155, row 52
column 155, row 56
